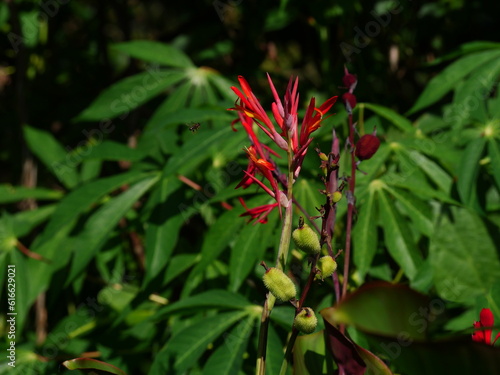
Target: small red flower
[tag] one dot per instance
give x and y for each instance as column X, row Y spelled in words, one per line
column 486, row 320
column 313, row 118
column 259, row 213
column 249, row 104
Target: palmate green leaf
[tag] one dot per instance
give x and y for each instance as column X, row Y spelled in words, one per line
column 175, row 101
column 81, row 199
column 223, row 85
column 162, row 227
column 214, row 298
column 469, row 102
column 365, row 232
column 398, row 238
column 99, row 225
column 466, row 48
column 419, row 211
column 23, row 222
column 247, row 251
column 155, row 52
column 216, row 240
column 372, row 167
column 129, row 93
column 494, row 154
column 228, row 358
column 52, row 155
column 450, row 76
column 463, row 256
column 411, row 161
column 189, row 344
column 395, row 118
column 468, row 171
column 91, row 364
column 56, row 248
column 177, row 265
column 9, row 193
column 198, row 149
column 90, row 170
column 111, row 150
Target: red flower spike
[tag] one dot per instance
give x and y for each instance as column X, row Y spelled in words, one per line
column 367, row 146
column 486, row 320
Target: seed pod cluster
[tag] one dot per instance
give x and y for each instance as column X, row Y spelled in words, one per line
column 306, row 239
column 279, row 284
column 306, row 320
column 326, row 266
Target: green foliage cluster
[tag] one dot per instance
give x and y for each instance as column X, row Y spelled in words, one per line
column 127, row 240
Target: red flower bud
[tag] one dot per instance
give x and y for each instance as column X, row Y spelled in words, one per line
column 349, row 101
column 367, row 146
column 349, row 80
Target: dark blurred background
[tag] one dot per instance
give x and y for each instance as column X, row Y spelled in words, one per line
column 56, row 56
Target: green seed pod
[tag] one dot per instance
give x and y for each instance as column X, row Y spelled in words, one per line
column 279, row 284
column 306, row 320
column 306, row 238
column 327, row 266
column 336, row 196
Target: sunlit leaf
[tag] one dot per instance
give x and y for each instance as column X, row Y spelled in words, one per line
column 91, row 364
column 450, row 76
column 128, row 94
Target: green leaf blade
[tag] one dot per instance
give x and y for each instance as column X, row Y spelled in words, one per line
column 155, row 52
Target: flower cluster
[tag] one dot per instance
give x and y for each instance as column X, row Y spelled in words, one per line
column 483, row 334
column 286, row 135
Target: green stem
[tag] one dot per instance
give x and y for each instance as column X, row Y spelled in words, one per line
column 288, row 353
column 284, row 247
